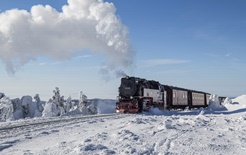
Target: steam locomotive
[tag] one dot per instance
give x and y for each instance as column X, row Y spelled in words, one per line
column 137, row 95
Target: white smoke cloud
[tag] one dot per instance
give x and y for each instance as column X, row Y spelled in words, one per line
column 81, row 25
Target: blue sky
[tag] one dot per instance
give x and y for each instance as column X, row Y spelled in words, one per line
column 188, row 43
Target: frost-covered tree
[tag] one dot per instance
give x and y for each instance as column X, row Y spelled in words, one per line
column 39, row 106
column 68, row 104
column 18, row 109
column 82, row 98
column 56, row 96
column 6, row 108
column 61, row 106
column 50, row 109
column 26, row 102
column 55, row 106
column 38, row 102
column 92, row 110
column 82, row 103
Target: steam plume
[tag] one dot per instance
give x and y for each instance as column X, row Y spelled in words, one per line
column 82, row 24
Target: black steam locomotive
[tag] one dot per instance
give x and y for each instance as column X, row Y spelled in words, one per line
column 137, row 95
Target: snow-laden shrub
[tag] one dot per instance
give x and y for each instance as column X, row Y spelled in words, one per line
column 79, row 107
column 227, row 101
column 214, row 103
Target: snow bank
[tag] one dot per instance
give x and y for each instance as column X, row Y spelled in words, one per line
column 236, row 103
column 240, row 100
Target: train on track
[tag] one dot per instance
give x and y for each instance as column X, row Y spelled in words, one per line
column 137, row 95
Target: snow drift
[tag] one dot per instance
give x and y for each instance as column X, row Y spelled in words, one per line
column 240, row 100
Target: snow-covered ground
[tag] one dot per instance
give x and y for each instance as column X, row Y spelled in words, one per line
column 219, row 129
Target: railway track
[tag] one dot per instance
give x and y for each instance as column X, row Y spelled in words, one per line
column 12, row 129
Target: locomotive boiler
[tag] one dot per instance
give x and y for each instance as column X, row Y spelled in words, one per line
column 138, row 94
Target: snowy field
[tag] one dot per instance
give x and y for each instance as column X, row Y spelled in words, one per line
column 219, row 129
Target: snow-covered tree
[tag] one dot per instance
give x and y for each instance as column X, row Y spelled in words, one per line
column 68, row 104
column 39, row 106
column 92, row 110
column 6, row 108
column 56, row 96
column 82, row 103
column 50, row 109
column 61, row 106
column 26, row 102
column 38, row 102
column 55, row 106
column 18, row 109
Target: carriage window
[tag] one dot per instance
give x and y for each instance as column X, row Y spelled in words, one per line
column 174, row 94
